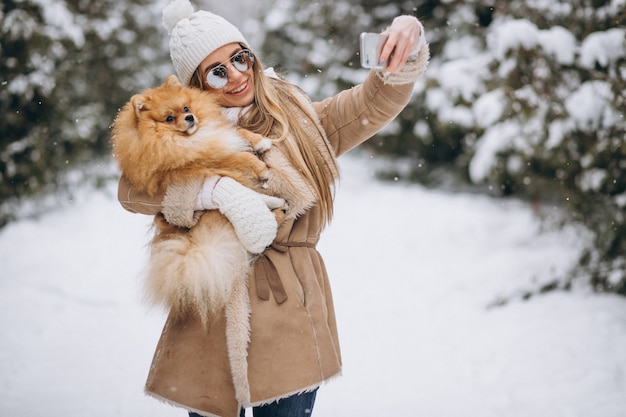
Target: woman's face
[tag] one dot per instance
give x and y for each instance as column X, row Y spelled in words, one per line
column 239, row 88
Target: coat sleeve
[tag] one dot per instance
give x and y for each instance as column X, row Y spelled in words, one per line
column 135, row 201
column 355, row 115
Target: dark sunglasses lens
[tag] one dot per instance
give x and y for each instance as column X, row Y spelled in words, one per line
column 220, row 72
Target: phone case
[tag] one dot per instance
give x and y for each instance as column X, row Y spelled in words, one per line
column 371, row 46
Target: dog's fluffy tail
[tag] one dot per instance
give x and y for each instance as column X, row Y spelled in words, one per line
column 195, row 270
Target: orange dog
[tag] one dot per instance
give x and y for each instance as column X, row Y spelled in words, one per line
column 171, row 134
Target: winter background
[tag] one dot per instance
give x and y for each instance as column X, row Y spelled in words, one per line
column 415, row 273
column 419, row 275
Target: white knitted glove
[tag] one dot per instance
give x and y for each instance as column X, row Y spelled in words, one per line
column 249, row 213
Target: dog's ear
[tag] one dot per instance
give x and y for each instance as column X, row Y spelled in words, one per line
column 172, row 80
column 138, row 101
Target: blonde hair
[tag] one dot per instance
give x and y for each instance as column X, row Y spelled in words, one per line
column 271, row 117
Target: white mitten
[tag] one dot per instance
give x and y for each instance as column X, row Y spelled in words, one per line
column 249, row 213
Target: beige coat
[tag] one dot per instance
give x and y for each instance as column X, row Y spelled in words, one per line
column 279, row 336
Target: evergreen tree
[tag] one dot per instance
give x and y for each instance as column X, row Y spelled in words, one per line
column 66, row 67
column 546, row 120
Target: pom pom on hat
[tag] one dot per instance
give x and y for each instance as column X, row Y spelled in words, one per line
column 195, row 35
column 175, row 11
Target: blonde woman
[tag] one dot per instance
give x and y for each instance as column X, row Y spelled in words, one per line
column 274, row 349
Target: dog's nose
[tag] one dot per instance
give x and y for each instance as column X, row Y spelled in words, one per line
column 189, row 118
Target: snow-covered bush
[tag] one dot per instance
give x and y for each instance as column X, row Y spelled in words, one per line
column 66, row 67
column 548, row 122
column 540, row 102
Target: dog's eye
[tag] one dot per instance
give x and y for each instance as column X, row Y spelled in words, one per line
column 186, row 109
column 169, row 119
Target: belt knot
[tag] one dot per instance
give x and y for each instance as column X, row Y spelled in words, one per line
column 266, row 274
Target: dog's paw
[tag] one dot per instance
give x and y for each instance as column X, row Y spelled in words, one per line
column 280, row 213
column 264, row 178
column 263, row 146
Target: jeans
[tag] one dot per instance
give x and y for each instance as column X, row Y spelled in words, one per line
column 299, row 405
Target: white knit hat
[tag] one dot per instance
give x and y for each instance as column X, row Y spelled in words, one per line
column 194, row 35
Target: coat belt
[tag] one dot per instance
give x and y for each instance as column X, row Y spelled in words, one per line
column 266, row 274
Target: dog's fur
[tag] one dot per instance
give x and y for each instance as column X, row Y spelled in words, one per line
column 172, row 134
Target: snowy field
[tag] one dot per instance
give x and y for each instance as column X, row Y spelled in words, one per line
column 414, row 272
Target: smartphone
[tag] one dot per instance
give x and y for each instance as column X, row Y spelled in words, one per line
column 371, row 46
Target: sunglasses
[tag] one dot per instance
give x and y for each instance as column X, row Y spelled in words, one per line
column 218, row 75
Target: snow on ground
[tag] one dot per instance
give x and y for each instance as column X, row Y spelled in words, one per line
column 413, row 270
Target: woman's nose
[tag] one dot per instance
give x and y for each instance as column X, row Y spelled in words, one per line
column 233, row 72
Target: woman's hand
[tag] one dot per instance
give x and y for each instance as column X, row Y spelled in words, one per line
column 403, row 38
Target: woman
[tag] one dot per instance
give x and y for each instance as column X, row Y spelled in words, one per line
column 275, row 352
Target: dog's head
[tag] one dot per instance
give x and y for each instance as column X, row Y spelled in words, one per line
column 159, row 129
column 169, row 107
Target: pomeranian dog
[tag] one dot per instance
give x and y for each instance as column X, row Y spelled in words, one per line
column 171, row 134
